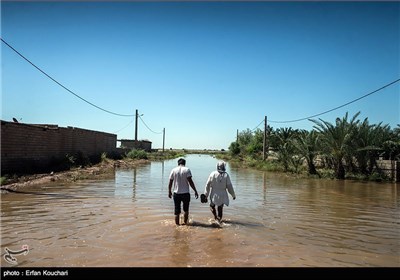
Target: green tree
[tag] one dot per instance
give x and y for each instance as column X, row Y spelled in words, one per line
column 234, row 148
column 336, row 140
column 244, row 139
column 282, row 139
column 368, row 141
column 391, row 144
column 255, row 146
column 307, row 146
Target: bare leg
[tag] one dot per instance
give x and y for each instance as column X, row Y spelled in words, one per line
column 177, row 220
column 220, row 212
column 212, row 208
column 185, row 218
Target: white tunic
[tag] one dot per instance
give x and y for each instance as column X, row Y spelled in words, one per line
column 217, row 186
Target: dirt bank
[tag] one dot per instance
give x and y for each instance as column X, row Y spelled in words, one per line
column 98, row 171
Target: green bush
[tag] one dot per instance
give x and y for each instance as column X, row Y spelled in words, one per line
column 137, row 154
column 377, row 177
column 234, row 148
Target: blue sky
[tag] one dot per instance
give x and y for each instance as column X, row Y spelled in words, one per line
column 201, row 70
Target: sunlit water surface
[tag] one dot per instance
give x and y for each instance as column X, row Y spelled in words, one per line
column 276, row 221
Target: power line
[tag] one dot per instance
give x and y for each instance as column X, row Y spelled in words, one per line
column 258, row 125
column 148, row 126
column 341, row 106
column 125, row 126
column 61, row 85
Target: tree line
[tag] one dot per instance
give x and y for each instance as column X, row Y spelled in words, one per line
column 347, row 146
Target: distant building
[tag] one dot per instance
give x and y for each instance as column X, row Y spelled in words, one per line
column 135, row 144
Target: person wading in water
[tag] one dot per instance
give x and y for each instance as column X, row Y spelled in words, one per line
column 218, row 185
column 180, row 178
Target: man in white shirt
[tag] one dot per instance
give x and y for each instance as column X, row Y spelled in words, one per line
column 181, row 178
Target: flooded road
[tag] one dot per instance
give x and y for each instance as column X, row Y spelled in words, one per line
column 276, row 221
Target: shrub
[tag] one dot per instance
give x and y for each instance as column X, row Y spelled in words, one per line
column 137, row 154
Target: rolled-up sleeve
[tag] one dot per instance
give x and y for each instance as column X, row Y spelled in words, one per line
column 208, row 186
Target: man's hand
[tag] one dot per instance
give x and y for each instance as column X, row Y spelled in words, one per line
column 170, row 194
column 234, row 197
column 196, row 195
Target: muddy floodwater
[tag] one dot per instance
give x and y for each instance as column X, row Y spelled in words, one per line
column 276, row 221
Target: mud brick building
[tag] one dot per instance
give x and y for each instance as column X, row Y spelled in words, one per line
column 34, row 147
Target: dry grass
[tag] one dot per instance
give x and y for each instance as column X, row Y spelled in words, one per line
column 102, row 170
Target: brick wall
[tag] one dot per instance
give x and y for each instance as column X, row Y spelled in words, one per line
column 30, row 147
column 137, row 145
column 391, row 168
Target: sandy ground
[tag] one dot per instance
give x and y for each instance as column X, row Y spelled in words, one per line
column 97, row 171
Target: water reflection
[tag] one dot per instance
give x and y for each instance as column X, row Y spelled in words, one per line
column 181, row 247
column 264, row 175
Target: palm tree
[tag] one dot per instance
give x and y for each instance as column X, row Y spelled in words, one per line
column 396, row 130
column 367, row 144
column 307, row 146
column 336, row 140
column 282, row 139
column 390, row 140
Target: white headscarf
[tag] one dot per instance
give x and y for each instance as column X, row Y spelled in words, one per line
column 221, row 166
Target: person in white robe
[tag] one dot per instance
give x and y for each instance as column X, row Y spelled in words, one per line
column 217, row 187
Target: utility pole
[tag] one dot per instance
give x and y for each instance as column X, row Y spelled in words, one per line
column 265, row 139
column 163, row 140
column 136, row 124
column 237, row 135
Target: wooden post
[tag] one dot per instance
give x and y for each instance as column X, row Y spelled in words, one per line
column 136, row 125
column 265, row 139
column 163, row 140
